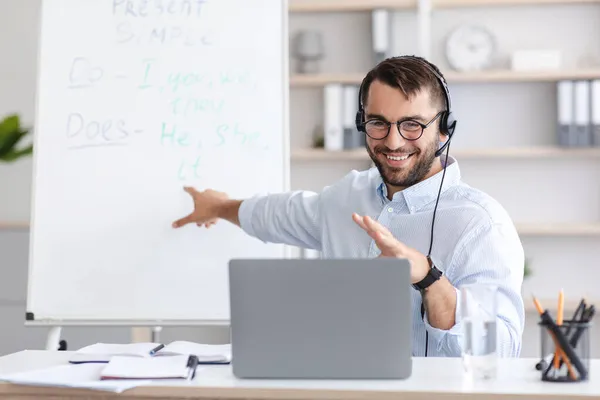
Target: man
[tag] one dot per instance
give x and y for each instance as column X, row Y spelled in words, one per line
column 389, row 211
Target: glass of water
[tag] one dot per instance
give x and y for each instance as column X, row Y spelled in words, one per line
column 478, row 305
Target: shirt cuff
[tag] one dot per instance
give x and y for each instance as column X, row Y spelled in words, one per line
column 245, row 214
column 438, row 334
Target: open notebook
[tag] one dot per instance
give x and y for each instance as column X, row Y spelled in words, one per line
column 104, row 352
column 175, row 367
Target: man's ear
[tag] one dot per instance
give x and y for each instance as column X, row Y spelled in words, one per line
column 442, row 140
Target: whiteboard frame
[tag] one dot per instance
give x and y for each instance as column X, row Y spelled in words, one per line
column 287, row 250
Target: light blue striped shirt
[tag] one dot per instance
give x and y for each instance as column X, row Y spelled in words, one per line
column 474, row 240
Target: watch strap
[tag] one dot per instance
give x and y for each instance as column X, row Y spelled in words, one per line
column 432, row 276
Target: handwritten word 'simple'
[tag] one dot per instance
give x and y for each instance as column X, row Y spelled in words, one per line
column 126, row 32
column 153, row 8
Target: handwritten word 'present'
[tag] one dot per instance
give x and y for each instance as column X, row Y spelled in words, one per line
column 146, row 8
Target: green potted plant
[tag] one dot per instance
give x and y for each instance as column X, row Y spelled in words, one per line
column 527, row 269
column 12, row 135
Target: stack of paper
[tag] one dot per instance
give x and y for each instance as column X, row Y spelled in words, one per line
column 84, row 376
column 104, row 352
column 119, row 374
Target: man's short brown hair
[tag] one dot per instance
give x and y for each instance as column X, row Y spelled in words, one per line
column 410, row 74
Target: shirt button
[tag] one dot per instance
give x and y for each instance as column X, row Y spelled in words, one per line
column 390, row 209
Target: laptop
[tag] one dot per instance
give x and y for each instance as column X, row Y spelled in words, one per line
column 321, row 319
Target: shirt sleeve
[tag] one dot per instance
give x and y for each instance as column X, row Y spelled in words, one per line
column 492, row 254
column 292, row 218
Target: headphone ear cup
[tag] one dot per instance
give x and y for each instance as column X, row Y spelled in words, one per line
column 444, row 124
column 360, row 126
column 447, row 124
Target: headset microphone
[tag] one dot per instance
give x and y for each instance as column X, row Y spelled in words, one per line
column 450, row 133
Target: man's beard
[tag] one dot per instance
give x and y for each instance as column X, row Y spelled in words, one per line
column 399, row 177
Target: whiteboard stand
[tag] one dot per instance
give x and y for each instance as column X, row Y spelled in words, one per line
column 156, row 334
column 53, row 339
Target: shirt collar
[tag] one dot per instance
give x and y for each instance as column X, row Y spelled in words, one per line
column 424, row 192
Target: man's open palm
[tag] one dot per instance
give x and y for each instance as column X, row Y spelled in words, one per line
column 385, row 241
column 392, row 247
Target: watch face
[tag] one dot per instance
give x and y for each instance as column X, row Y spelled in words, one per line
column 470, row 48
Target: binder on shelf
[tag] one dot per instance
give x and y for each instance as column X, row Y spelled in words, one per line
column 582, row 130
column 380, row 26
column 333, row 117
column 351, row 134
column 595, row 106
column 565, row 102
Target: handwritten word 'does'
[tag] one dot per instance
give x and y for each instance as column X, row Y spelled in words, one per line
column 105, row 131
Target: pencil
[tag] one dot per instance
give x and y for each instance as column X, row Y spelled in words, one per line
column 559, row 321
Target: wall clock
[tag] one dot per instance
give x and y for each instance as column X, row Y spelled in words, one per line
column 470, row 48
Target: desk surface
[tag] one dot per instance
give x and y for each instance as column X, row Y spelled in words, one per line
column 431, row 378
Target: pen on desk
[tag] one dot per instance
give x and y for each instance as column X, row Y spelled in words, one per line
column 156, row 349
column 192, row 365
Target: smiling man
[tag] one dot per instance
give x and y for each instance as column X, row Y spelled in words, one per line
column 412, row 205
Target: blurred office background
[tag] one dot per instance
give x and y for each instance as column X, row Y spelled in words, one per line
column 519, row 71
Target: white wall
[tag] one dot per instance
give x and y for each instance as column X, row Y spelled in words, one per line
column 562, row 190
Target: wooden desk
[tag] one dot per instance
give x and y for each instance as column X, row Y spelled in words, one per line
column 431, row 379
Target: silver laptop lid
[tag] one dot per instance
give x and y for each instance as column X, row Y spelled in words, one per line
column 333, row 318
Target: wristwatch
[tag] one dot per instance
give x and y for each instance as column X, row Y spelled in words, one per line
column 433, row 275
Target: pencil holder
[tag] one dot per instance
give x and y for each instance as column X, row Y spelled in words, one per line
column 575, row 367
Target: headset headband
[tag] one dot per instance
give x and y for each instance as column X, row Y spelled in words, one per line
column 432, row 70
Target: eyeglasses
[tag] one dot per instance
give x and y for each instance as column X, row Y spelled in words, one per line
column 409, row 129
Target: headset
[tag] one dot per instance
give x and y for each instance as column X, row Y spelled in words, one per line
column 447, row 125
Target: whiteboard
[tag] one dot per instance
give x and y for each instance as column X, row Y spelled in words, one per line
column 137, row 99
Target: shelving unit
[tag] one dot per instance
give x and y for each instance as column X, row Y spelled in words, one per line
column 486, row 3
column 559, row 230
column 547, row 237
column 498, row 152
column 497, row 76
column 348, row 5
column 13, row 225
column 366, row 5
